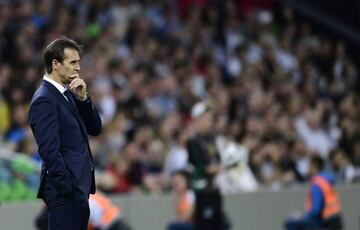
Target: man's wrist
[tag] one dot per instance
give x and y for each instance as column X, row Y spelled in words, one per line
column 83, row 98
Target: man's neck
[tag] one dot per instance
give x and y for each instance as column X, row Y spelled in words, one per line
column 55, row 78
column 53, row 81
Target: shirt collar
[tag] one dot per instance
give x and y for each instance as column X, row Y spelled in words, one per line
column 59, row 87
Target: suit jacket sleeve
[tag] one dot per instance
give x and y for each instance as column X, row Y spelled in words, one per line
column 44, row 122
column 90, row 116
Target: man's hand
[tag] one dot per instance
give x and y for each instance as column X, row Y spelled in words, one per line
column 213, row 169
column 78, row 87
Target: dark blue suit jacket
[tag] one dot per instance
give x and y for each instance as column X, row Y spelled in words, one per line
column 60, row 128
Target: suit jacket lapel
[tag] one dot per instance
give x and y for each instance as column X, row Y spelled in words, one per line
column 67, row 104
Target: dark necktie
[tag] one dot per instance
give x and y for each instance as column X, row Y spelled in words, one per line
column 70, row 98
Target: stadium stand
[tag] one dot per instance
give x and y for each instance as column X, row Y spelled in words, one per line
column 281, row 90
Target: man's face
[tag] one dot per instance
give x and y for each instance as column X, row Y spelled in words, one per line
column 179, row 183
column 70, row 67
column 205, row 122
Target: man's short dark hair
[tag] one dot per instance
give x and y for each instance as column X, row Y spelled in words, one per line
column 318, row 162
column 55, row 50
column 184, row 174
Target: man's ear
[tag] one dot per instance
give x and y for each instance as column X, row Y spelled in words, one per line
column 55, row 64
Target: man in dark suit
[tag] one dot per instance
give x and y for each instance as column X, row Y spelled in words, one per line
column 61, row 115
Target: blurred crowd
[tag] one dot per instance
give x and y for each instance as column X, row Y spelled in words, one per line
column 277, row 88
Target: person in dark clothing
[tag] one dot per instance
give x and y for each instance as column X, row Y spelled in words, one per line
column 203, row 155
column 205, row 160
column 61, row 116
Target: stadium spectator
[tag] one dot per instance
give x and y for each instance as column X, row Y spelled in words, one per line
column 235, row 175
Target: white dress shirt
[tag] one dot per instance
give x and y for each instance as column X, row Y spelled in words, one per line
column 58, row 86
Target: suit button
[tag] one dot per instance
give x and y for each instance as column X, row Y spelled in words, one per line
column 47, row 171
column 92, row 168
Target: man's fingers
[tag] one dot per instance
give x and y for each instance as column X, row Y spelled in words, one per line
column 73, row 82
column 76, row 83
column 78, row 86
column 76, row 75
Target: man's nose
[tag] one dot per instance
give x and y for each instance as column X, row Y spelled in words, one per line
column 77, row 67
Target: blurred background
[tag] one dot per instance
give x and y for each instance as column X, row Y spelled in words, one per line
column 281, row 78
